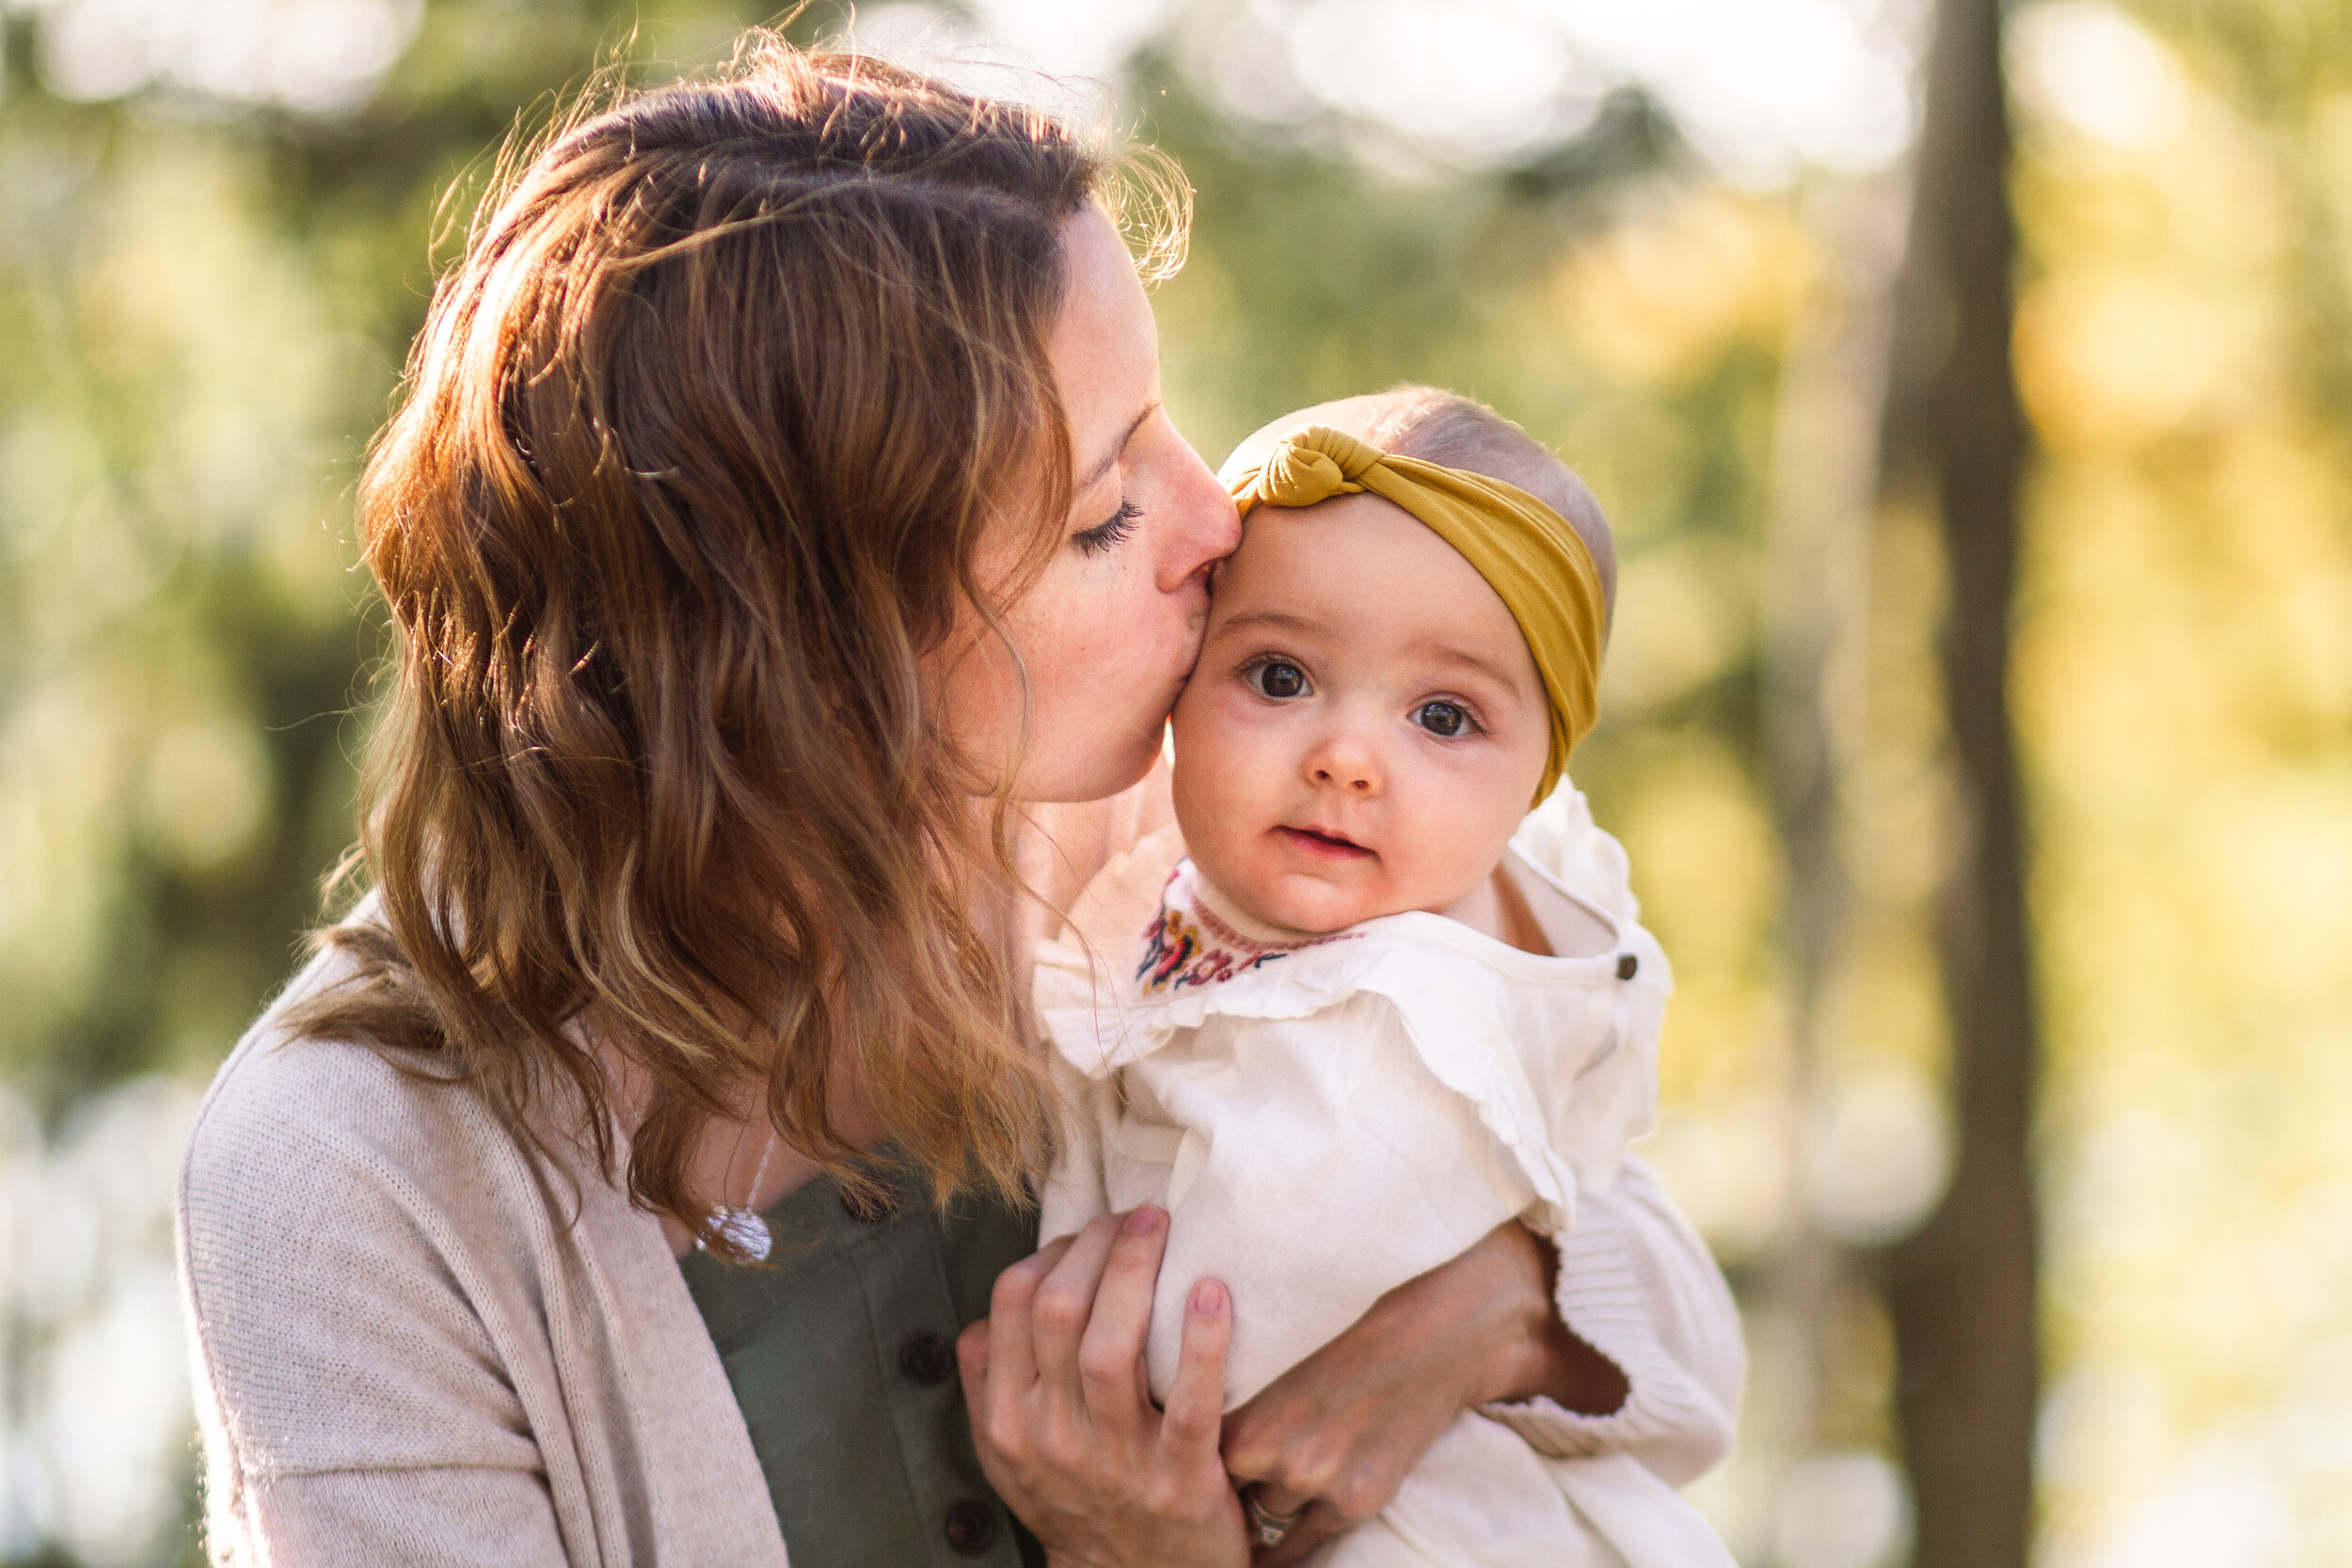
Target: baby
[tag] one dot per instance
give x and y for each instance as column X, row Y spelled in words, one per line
column 1382, row 1008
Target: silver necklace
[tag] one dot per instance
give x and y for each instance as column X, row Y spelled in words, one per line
column 744, row 1229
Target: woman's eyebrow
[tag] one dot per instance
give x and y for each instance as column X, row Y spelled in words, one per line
column 1094, row 476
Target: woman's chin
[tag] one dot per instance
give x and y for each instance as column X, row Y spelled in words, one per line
column 1098, row 775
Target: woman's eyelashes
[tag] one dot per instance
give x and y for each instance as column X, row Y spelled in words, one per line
column 1111, row 532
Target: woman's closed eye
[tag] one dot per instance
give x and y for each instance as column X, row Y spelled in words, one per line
column 1448, row 721
column 1110, row 532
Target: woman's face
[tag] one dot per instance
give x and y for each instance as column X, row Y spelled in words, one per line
column 1110, row 629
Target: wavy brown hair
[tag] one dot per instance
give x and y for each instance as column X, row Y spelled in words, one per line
column 699, row 442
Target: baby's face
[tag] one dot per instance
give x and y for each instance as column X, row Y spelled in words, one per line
column 1365, row 726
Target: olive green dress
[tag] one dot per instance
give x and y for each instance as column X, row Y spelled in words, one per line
column 841, row 1351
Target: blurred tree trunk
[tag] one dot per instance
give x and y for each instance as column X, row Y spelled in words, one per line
column 1962, row 1289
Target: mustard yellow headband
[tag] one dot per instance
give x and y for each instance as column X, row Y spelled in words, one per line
column 1525, row 551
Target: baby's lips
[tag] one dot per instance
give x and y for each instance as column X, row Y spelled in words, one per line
column 1324, row 840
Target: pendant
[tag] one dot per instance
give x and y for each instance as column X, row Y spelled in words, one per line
column 746, row 1230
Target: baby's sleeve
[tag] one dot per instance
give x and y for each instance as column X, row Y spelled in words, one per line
column 1638, row 1285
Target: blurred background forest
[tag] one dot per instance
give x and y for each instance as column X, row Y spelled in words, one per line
column 1669, row 237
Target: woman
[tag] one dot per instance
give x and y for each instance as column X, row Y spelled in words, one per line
column 780, row 518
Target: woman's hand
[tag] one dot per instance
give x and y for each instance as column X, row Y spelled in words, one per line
column 1337, row 1433
column 1062, row 1412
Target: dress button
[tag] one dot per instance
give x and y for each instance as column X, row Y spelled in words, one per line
column 870, row 1208
column 1628, row 966
column 971, row 1527
column 927, row 1358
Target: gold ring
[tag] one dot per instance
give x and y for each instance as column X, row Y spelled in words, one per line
column 1266, row 1525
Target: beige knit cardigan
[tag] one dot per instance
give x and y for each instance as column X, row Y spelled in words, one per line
column 404, row 1353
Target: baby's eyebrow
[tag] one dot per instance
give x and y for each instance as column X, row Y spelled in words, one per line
column 1445, row 653
column 1273, row 620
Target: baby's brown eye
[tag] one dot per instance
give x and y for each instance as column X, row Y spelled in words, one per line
column 1445, row 719
column 1279, row 679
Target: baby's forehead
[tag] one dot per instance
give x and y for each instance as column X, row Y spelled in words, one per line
column 1361, row 576
column 1305, row 545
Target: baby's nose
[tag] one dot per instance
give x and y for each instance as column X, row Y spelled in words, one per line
column 1347, row 764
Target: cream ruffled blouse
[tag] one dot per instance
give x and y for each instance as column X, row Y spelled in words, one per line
column 1423, row 1081
column 1326, row 1118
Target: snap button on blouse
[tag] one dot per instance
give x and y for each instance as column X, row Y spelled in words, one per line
column 971, row 1527
column 927, row 1358
column 1628, row 966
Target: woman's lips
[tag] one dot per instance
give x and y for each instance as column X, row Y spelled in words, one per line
column 1326, row 845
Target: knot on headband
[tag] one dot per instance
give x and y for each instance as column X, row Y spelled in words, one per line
column 1535, row 561
column 1315, row 465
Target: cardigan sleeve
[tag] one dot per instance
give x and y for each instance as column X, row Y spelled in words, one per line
column 353, row 1402
column 451, row 1518
column 1638, row 1285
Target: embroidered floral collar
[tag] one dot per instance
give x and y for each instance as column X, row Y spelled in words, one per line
column 1192, row 942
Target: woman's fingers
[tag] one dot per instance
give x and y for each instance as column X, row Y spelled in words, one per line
column 1062, row 1421
column 1195, row 1413
column 1322, row 1522
column 1110, row 1354
column 1280, row 1500
column 1011, row 1335
column 1065, row 1302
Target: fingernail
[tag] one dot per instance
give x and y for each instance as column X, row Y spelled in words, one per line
column 1145, row 1220
column 1208, row 1298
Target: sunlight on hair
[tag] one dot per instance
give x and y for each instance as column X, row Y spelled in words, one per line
column 1063, row 58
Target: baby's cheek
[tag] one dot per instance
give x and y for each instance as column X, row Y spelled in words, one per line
column 1451, row 831
column 1207, row 778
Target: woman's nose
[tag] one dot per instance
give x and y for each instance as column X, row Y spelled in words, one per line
column 1211, row 527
